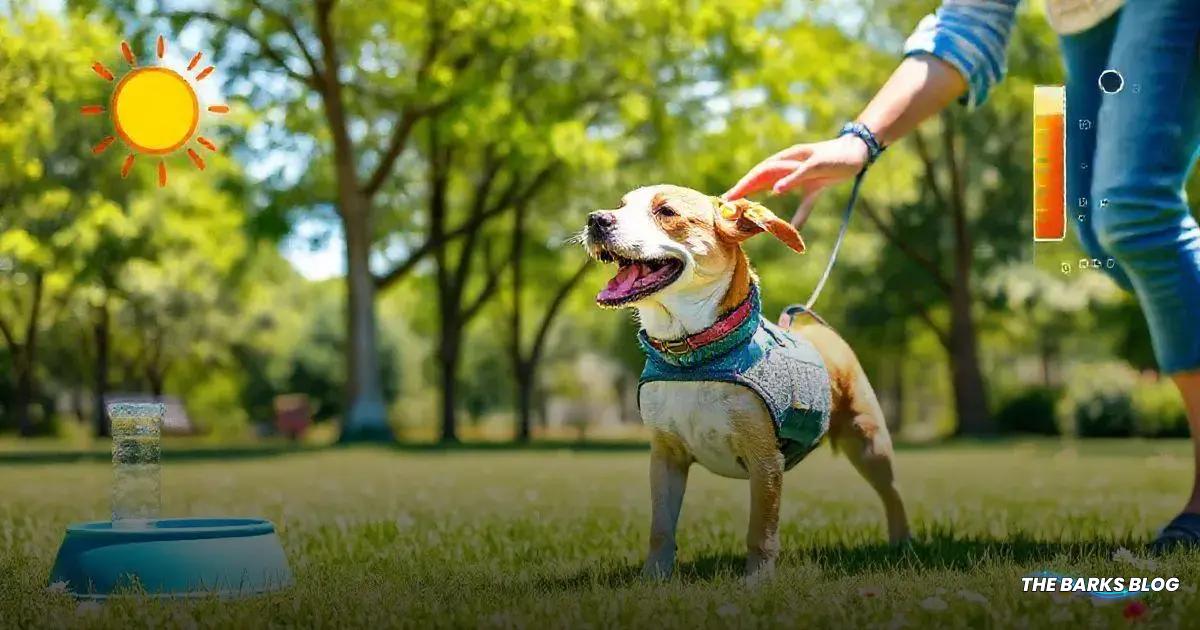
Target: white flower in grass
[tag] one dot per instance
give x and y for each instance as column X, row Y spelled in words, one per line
column 87, row 608
column 972, row 596
column 934, row 603
column 728, row 609
column 897, row 622
column 1126, row 556
column 57, row 587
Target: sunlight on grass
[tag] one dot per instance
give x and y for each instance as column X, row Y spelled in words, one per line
column 383, row 537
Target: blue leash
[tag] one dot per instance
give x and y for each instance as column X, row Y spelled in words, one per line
column 837, row 246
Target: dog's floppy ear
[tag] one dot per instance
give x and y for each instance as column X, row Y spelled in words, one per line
column 740, row 219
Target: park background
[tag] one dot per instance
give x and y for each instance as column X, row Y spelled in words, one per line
column 445, row 153
column 417, row 167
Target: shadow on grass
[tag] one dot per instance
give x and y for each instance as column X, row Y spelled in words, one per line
column 934, row 553
column 946, row 552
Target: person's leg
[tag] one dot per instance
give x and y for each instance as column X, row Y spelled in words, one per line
column 1147, row 141
column 1189, row 386
column 1085, row 56
column 1184, row 529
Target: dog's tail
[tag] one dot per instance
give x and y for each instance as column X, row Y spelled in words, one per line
column 792, row 311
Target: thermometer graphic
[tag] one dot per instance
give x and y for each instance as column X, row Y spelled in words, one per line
column 1049, row 166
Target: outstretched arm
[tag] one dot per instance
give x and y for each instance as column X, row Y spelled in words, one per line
column 921, row 86
column 957, row 53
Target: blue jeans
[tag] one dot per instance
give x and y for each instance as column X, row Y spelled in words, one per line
column 1144, row 142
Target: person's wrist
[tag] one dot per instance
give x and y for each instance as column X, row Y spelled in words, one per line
column 855, row 146
column 867, row 138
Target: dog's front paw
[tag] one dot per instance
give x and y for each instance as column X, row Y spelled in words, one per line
column 759, row 569
column 658, row 568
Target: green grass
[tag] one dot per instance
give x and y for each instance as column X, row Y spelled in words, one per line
column 554, row 538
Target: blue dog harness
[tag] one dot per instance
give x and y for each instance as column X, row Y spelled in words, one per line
column 786, row 372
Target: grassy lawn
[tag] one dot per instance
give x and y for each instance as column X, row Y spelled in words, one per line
column 554, row 538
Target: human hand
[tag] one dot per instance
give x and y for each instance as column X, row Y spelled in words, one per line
column 808, row 167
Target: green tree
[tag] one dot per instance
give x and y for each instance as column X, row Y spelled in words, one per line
column 53, row 221
column 182, row 300
column 506, row 92
column 373, row 79
column 969, row 220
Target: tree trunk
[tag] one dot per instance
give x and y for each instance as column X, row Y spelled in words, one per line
column 77, row 406
column 23, row 396
column 448, row 362
column 367, row 415
column 25, row 358
column 157, row 379
column 1047, row 352
column 970, row 393
column 522, row 370
column 449, row 293
column 100, row 328
column 525, row 376
column 895, row 419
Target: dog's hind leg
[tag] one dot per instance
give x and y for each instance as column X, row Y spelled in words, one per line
column 669, row 463
column 866, row 443
column 856, row 427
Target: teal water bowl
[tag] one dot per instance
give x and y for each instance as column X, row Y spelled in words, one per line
column 172, row 557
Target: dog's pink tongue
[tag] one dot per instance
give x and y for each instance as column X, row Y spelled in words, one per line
column 623, row 282
column 626, row 277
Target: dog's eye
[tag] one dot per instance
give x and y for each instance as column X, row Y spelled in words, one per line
column 665, row 211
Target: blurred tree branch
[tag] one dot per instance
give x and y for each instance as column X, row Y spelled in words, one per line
column 904, row 246
column 8, row 335
column 314, row 80
column 290, row 27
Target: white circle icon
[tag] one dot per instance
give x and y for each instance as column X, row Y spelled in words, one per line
column 1111, row 81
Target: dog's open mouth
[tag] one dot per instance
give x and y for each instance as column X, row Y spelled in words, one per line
column 637, row 279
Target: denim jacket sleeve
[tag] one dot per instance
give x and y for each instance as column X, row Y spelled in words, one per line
column 972, row 36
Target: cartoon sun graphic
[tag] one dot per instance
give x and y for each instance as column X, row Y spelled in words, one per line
column 154, row 110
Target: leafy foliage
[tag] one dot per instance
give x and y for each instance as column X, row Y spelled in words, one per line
column 479, row 135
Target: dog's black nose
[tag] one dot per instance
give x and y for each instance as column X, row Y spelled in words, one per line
column 600, row 223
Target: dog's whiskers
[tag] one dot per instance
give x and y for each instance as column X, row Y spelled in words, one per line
column 578, row 238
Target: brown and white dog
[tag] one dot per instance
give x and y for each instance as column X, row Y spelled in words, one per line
column 681, row 266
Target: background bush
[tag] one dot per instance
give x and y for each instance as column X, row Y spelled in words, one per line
column 1099, row 401
column 1032, row 410
column 1107, row 414
column 1158, row 409
column 1105, row 400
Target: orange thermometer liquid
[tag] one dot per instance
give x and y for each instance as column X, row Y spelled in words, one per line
column 1049, row 165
